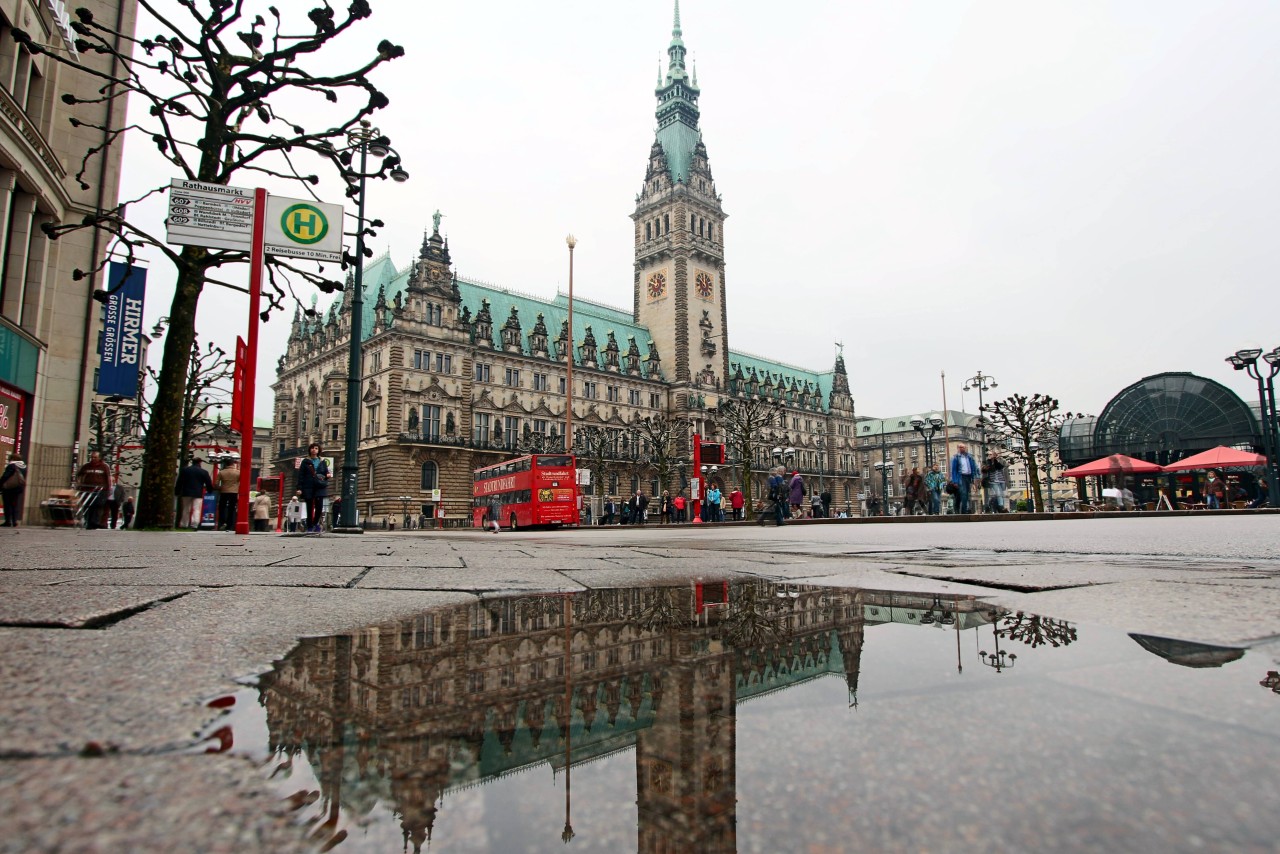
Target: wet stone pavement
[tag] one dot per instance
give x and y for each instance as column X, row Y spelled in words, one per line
column 1086, row 685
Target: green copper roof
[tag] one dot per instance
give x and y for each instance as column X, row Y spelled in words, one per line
column 677, row 108
column 780, row 371
column 381, row 275
column 902, row 423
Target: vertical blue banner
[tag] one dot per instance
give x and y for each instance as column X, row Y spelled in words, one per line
column 122, row 331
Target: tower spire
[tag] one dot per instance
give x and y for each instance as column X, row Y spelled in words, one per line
column 675, row 28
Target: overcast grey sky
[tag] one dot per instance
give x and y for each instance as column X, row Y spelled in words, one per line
column 1066, row 195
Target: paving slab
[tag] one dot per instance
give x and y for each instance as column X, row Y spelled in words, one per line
column 86, row 607
column 140, row 684
column 219, row 805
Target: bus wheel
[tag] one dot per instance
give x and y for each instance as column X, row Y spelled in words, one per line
column 513, row 521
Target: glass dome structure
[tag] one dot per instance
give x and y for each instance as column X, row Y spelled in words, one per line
column 1163, row 418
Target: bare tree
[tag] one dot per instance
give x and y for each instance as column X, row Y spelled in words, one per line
column 746, row 420
column 116, row 431
column 662, row 437
column 218, row 81
column 1025, row 421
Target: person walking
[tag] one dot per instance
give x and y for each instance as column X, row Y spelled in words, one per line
column 933, row 484
column 642, row 505
column 228, row 485
column 664, row 512
column 313, row 483
column 262, row 512
column 610, row 510
column 127, row 511
column 916, row 496
column 114, row 499
column 736, row 502
column 193, row 482
column 94, row 482
column 295, row 513
column 797, row 494
column 993, row 480
column 825, row 498
column 679, row 504
column 778, row 494
column 13, row 485
column 1215, row 490
column 494, row 514
column 964, row 468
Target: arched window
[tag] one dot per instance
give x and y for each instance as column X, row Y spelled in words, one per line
column 430, row 475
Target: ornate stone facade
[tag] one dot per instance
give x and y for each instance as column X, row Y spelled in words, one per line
column 459, row 374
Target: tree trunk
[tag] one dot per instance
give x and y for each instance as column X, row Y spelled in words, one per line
column 161, row 456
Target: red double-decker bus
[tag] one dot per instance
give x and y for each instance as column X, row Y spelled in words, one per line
column 540, row 489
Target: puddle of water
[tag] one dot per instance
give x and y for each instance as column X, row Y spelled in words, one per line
column 751, row 716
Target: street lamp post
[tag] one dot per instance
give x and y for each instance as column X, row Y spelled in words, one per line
column 935, row 424
column 982, row 382
column 822, row 456
column 1246, row 359
column 365, row 140
column 884, row 467
column 571, row 242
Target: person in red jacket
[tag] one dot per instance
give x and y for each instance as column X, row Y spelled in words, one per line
column 679, row 503
column 736, row 501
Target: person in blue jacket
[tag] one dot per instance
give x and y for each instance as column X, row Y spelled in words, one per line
column 964, row 468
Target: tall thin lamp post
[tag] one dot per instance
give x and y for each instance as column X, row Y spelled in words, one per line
column 365, row 140
column 571, row 242
column 1246, row 359
column 982, row 382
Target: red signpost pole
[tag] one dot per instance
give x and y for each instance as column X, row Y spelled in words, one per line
column 251, row 357
column 697, row 475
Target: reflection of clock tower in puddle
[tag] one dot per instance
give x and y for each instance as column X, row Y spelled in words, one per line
column 679, row 271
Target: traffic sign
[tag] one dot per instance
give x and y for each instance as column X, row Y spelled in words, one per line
column 210, row 215
column 303, row 228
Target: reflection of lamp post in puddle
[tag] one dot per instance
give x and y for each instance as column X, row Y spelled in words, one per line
column 939, row 615
column 1000, row 659
column 567, row 834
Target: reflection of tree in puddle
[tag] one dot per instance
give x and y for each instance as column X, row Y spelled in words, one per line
column 397, row 715
column 1035, row 630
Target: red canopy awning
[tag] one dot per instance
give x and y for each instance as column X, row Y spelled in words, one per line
column 1219, row 457
column 1114, row 464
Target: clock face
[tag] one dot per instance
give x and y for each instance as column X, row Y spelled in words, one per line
column 436, row 274
column 704, row 284
column 657, row 285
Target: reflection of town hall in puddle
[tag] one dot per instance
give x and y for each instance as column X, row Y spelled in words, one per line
column 404, row 712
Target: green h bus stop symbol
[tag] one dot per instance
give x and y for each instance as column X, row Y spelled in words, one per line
column 305, row 224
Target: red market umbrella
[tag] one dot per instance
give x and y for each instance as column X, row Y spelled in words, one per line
column 1114, row 464
column 1219, row 457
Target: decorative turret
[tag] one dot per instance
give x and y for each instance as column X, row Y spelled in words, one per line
column 538, row 337
column 484, row 325
column 611, row 351
column 562, row 341
column 633, row 356
column 654, row 361
column 589, row 348
column 511, row 332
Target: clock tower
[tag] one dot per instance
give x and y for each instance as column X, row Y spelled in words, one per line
column 679, row 237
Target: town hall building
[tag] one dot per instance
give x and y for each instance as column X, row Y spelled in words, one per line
column 459, row 374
